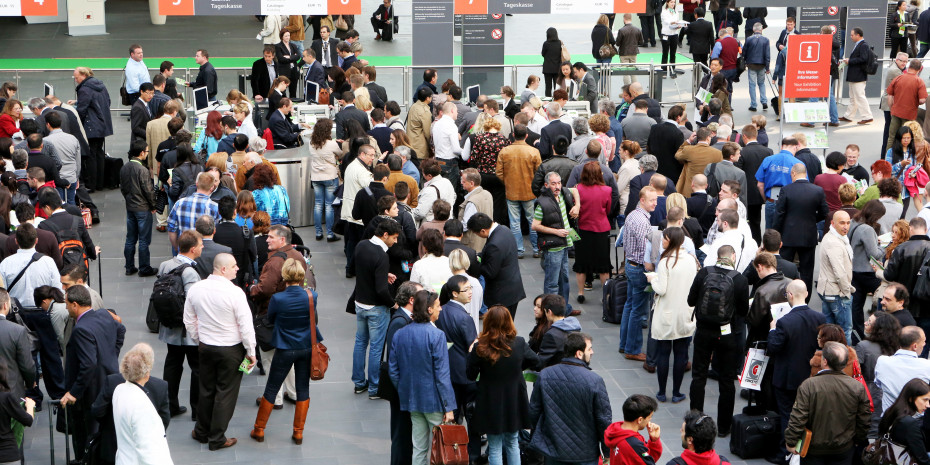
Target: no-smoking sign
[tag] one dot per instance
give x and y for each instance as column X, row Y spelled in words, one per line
column 496, row 34
column 497, row 16
column 832, row 10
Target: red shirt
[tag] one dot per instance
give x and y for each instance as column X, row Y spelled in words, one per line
column 830, row 183
column 907, row 90
column 8, row 127
column 595, row 204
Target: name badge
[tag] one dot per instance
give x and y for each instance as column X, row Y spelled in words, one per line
column 725, row 330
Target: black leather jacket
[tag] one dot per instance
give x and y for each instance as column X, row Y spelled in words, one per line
column 135, row 183
column 903, row 266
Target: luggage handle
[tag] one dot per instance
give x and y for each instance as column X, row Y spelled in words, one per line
column 51, row 430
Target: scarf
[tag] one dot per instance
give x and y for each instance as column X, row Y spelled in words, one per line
column 845, row 239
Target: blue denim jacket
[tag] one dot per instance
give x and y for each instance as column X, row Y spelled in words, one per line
column 756, row 50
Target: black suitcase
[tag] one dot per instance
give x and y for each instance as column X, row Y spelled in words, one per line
column 614, row 297
column 755, row 434
column 111, row 168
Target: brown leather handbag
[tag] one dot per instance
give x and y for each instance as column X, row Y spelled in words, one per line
column 450, row 445
column 319, row 359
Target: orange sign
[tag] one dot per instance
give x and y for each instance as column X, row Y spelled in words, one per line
column 471, row 7
column 176, row 7
column 629, row 6
column 39, row 7
column 808, row 66
column 345, row 7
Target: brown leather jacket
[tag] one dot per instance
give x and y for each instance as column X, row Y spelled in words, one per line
column 270, row 282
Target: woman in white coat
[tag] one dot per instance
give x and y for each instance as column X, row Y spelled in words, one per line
column 140, row 433
column 672, row 326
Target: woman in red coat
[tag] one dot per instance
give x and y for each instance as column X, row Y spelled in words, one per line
column 9, row 120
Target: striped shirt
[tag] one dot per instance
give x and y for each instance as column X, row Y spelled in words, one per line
column 635, row 231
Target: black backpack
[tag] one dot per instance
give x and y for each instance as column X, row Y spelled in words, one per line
column 716, row 304
column 871, row 67
column 168, row 298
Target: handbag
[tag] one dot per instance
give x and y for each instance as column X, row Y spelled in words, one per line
column 161, row 200
column 323, row 97
column 565, row 55
column 450, row 445
column 857, row 375
column 123, row 94
column 319, row 359
column 341, row 23
column 607, row 50
column 263, row 333
column 884, row 451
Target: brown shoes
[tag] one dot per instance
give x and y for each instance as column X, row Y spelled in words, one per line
column 807, row 125
column 649, row 368
column 229, row 443
column 198, row 438
column 865, row 121
column 638, row 357
column 845, row 119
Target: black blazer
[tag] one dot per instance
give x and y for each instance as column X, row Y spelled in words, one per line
column 138, row 118
column 810, row 161
column 637, row 183
column 242, row 242
column 204, row 263
column 750, row 159
column 378, row 15
column 501, row 270
column 346, row 114
column 317, row 47
column 317, row 74
column 375, row 88
column 502, row 404
column 858, row 59
column 699, row 209
column 371, row 282
column 157, row 391
column 93, row 354
column 700, row 36
column 799, row 207
column 791, row 346
column 283, row 131
column 274, row 102
column 261, row 82
column 512, row 109
column 456, row 322
column 549, row 134
column 287, row 56
column 664, row 140
column 474, row 267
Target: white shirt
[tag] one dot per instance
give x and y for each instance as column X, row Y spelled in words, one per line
column 217, row 313
column 446, row 138
column 140, row 433
column 136, row 74
column 925, row 213
column 431, row 272
column 42, row 272
column 424, row 210
column 537, row 123
column 742, row 243
column 477, row 297
column 892, row 373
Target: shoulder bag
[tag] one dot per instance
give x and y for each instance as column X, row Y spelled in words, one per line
column 565, row 55
column 607, row 50
column 319, row 359
column 884, row 451
column 123, row 94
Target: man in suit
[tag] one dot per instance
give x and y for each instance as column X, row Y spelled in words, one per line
column 552, row 131
column 264, row 72
column 384, row 22
column 239, row 239
column 41, row 109
column 453, row 231
column 695, row 158
column 94, row 354
column 401, row 427
column 701, row 205
column 460, row 330
column 700, row 36
column 349, row 111
column 587, row 85
column 750, row 159
column 792, row 342
column 16, row 352
column 373, row 87
column 857, row 76
column 206, row 226
column 315, row 71
column 140, row 114
column 782, row 41
column 283, row 131
column 499, row 265
column 726, row 170
column 345, row 52
column 800, row 206
column 664, row 140
column 648, row 164
column 325, row 48
column 156, row 389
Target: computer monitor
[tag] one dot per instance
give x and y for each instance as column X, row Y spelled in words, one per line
column 312, row 92
column 49, row 90
column 201, row 100
column 473, row 92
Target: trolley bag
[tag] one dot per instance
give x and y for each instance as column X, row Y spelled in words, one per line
column 776, row 100
column 754, row 434
column 111, row 169
column 614, row 299
column 58, row 420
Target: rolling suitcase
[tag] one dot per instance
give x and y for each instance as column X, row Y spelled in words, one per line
column 54, row 407
column 614, row 297
column 111, row 169
column 755, row 433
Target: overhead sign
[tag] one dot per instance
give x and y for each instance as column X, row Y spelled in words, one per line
column 812, row 18
column 28, row 7
column 629, row 6
column 471, row 7
column 256, row 7
column 808, row 66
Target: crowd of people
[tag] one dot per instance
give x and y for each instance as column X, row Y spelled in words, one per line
column 434, row 210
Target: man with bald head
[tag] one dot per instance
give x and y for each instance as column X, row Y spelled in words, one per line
column 715, row 230
column 792, row 342
column 800, row 206
column 834, row 284
column 701, row 205
column 217, row 316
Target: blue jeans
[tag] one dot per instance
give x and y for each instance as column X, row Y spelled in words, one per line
column 500, row 444
column 636, row 307
column 555, row 269
column 756, row 79
column 730, row 74
column 769, row 214
column 834, row 115
column 281, row 364
column 138, row 229
column 838, row 312
column 67, row 193
column 323, row 200
column 924, row 48
column 513, row 211
column 370, row 328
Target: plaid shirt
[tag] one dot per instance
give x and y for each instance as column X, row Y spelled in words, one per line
column 635, row 231
column 186, row 211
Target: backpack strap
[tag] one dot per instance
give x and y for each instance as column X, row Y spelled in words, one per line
column 679, row 461
column 35, row 257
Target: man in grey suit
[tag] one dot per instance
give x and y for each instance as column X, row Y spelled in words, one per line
column 587, row 89
column 726, row 170
column 206, row 226
column 15, row 351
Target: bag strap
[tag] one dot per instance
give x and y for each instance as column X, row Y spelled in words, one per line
column 35, row 257
column 313, row 341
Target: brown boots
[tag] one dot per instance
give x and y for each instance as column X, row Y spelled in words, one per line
column 264, row 411
column 300, row 417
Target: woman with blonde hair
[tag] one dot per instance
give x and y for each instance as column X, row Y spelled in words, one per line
column 242, row 111
column 459, row 263
column 629, row 169
column 363, row 100
column 220, row 161
column 601, row 35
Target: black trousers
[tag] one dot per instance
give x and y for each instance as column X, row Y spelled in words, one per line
column 550, row 83
column 843, row 458
column 219, row 390
column 83, row 424
column 513, row 310
column 493, row 184
column 352, row 238
column 701, row 58
column 864, row 283
column 754, row 217
column 710, row 343
column 450, row 170
column 647, row 24
column 95, row 163
column 898, row 44
column 174, row 368
column 315, row 23
column 49, row 356
column 806, row 257
column 681, row 34
column 669, row 48
column 784, row 399
column 466, row 394
column 401, row 435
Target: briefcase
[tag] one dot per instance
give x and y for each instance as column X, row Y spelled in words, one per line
column 450, row 445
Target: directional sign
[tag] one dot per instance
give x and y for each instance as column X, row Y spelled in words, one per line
column 629, row 6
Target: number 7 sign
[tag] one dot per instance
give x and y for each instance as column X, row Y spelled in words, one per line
column 345, row 7
column 39, row 7
column 471, row 7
